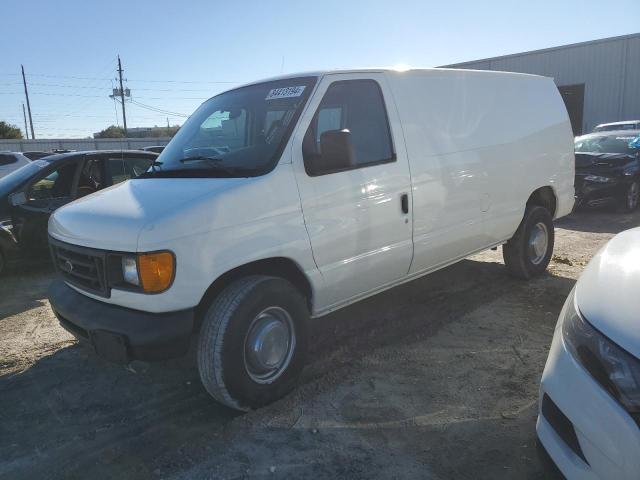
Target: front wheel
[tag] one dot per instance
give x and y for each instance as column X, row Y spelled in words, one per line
column 629, row 202
column 529, row 251
column 253, row 342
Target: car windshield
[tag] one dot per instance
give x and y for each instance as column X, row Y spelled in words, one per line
column 607, row 144
column 16, row 178
column 239, row 133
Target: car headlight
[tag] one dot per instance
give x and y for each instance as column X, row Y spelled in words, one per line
column 130, row 270
column 6, row 225
column 153, row 272
column 597, row 179
column 616, row 370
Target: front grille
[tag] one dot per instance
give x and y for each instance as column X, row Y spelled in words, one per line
column 81, row 266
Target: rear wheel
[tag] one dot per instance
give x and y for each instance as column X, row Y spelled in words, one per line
column 2, row 263
column 253, row 342
column 629, row 202
column 528, row 253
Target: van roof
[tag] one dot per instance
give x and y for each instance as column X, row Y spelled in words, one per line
column 410, row 71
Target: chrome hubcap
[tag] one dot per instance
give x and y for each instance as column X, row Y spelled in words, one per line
column 632, row 195
column 538, row 243
column 269, row 345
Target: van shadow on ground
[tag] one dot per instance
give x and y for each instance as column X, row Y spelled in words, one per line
column 601, row 220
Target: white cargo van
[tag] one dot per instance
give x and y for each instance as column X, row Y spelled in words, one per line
column 290, row 198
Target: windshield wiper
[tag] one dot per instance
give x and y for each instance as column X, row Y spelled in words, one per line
column 197, row 158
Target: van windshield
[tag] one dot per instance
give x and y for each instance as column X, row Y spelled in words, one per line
column 239, row 133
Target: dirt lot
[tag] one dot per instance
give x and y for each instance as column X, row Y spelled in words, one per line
column 434, row 379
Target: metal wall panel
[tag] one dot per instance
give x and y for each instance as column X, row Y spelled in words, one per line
column 609, row 68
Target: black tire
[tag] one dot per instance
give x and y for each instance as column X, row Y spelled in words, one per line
column 221, row 346
column 629, row 200
column 517, row 252
column 3, row 264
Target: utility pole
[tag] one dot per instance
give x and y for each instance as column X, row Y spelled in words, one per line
column 124, row 115
column 26, row 131
column 26, row 93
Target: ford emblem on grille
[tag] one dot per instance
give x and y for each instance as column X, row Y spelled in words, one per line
column 68, row 266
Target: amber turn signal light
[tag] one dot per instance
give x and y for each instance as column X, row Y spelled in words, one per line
column 156, row 271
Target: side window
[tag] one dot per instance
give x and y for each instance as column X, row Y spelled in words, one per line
column 91, row 177
column 124, row 168
column 7, row 160
column 57, row 185
column 356, row 106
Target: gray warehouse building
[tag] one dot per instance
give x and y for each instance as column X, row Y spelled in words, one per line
column 599, row 80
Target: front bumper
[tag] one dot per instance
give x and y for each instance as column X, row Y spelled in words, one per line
column 595, row 194
column 608, row 438
column 121, row 334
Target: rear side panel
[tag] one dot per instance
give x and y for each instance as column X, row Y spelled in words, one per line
column 479, row 143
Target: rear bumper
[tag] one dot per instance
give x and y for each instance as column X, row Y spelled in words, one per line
column 121, row 334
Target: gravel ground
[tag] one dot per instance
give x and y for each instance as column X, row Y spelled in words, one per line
column 434, row 379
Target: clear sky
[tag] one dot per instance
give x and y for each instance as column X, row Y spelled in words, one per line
column 175, row 52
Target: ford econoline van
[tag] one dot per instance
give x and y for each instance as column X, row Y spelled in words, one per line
column 287, row 199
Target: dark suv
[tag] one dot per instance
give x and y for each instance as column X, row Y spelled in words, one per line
column 608, row 169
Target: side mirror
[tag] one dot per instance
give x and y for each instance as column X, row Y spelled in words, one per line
column 336, row 153
column 17, row 198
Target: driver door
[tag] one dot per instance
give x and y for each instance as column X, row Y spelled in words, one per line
column 47, row 192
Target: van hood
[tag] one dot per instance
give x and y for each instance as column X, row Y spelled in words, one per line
column 607, row 291
column 113, row 218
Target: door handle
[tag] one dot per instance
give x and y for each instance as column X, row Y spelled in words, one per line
column 404, row 203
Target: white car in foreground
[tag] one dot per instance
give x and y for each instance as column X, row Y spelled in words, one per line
column 589, row 418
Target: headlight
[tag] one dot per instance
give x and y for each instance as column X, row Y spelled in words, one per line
column 130, row 270
column 616, row 370
column 6, row 225
column 597, row 179
column 153, row 272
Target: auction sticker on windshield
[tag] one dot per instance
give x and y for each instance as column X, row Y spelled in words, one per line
column 285, row 92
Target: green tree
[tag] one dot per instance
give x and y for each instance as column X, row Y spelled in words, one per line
column 110, row 132
column 9, row 131
column 164, row 131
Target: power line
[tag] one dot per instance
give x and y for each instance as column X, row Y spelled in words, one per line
column 55, row 94
column 132, row 80
column 159, row 110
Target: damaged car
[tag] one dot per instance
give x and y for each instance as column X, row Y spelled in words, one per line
column 608, row 169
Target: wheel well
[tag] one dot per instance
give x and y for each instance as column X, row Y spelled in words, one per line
column 544, row 197
column 275, row 267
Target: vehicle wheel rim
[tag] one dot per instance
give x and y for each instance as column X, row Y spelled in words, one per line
column 269, row 345
column 632, row 195
column 538, row 243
